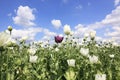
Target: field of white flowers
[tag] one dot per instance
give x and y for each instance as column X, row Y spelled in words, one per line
column 66, row 59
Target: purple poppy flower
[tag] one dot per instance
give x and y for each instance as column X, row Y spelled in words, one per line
column 58, row 39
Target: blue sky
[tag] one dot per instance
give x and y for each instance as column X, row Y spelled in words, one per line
column 39, row 19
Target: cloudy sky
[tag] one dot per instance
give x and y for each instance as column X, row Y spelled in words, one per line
column 41, row 19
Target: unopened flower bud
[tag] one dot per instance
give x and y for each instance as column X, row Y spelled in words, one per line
column 67, row 29
column 92, row 34
column 9, row 28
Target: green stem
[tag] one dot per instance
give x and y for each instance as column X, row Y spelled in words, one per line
column 1, row 65
column 10, row 32
column 7, row 70
column 8, row 76
column 110, row 74
column 12, row 76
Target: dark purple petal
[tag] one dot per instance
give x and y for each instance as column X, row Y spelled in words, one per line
column 58, row 39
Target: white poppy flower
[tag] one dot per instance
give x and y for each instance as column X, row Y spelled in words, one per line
column 84, row 51
column 4, row 38
column 111, row 56
column 100, row 77
column 67, row 29
column 71, row 62
column 56, row 49
column 32, row 51
column 93, row 59
column 11, row 42
column 33, row 59
column 24, row 38
column 92, row 34
column 17, row 72
column 86, row 35
column 115, row 44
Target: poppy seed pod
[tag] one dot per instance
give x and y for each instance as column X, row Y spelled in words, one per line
column 9, row 28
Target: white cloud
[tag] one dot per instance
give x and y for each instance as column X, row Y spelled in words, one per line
column 24, row 16
column 80, row 30
column 56, row 23
column 114, row 33
column 32, row 32
column 111, row 22
column 98, row 38
column 96, row 25
column 47, row 34
column 79, row 7
column 116, row 2
column 29, row 32
column 45, row 38
column 113, row 18
column 117, row 28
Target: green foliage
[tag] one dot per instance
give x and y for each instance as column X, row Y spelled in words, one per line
column 52, row 65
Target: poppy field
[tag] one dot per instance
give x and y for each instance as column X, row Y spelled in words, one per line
column 65, row 59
